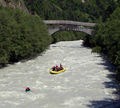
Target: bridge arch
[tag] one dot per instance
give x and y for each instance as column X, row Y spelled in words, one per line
column 69, row 26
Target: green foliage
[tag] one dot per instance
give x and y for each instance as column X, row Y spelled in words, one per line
column 67, row 36
column 99, row 8
column 107, row 39
column 55, row 9
column 72, row 9
column 96, row 49
column 21, row 36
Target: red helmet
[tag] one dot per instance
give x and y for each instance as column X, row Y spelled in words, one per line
column 27, row 89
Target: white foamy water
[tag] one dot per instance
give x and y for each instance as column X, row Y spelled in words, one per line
column 83, row 81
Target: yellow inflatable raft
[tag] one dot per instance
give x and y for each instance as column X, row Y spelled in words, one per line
column 56, row 72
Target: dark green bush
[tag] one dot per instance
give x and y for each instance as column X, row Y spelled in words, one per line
column 96, row 49
column 21, row 36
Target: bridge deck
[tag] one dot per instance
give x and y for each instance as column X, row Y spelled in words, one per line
column 66, row 22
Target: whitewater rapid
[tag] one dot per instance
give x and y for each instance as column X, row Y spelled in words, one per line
column 85, row 79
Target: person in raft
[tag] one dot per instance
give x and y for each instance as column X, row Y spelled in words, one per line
column 27, row 89
column 53, row 68
column 56, row 68
column 61, row 67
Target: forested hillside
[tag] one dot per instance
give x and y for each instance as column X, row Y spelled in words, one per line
column 91, row 10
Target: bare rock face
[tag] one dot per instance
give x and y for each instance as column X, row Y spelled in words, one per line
column 3, row 3
column 13, row 4
column 22, row 6
column 83, row 1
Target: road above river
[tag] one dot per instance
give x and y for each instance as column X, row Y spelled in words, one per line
column 86, row 79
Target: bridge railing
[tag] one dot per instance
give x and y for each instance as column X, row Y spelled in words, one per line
column 66, row 22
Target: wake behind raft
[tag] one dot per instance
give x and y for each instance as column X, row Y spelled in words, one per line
column 56, row 69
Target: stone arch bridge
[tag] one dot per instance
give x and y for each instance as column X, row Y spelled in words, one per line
column 57, row 25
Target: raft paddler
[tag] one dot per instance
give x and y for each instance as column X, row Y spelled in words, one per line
column 57, row 68
column 61, row 67
column 53, row 68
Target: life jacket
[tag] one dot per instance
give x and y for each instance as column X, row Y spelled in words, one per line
column 57, row 68
column 61, row 67
column 53, row 68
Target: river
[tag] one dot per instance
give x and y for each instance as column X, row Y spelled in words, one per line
column 85, row 79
